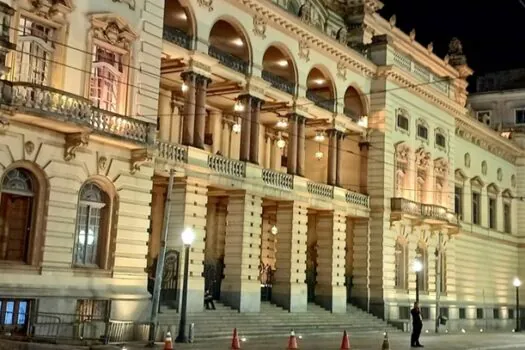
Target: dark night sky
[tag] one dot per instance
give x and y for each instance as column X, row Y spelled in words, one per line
column 492, row 32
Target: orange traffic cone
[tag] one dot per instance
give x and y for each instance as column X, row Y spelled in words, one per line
column 292, row 341
column 235, row 340
column 168, row 343
column 345, row 343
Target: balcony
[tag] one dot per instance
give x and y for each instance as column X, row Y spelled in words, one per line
column 229, row 60
column 278, row 82
column 277, row 179
column 350, row 114
column 320, row 101
column 47, row 102
column 227, row 166
column 424, row 213
column 177, row 37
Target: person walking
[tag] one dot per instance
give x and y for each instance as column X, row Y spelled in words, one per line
column 417, row 326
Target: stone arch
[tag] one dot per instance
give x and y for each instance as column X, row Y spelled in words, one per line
column 321, row 88
column 278, row 60
column 173, row 16
column 232, row 34
column 355, row 102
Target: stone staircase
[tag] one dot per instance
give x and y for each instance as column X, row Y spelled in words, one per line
column 274, row 321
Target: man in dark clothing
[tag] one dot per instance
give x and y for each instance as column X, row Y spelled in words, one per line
column 208, row 300
column 417, row 326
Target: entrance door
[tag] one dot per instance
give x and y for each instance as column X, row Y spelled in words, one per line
column 170, row 278
column 213, row 275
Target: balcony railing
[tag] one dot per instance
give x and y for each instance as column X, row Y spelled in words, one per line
column 424, row 211
column 177, row 37
column 320, row 189
column 277, row 179
column 63, row 106
column 229, row 60
column 227, row 166
column 350, row 114
column 279, row 83
column 320, row 101
column 172, row 152
column 357, row 198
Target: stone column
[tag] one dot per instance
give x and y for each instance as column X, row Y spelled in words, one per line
column 175, row 123
column 241, row 288
column 225, row 144
column 268, row 152
column 188, row 209
column 361, row 264
column 301, row 126
column 215, row 121
column 188, row 124
column 330, row 290
column 211, row 228
column 332, row 157
column 254, row 130
column 289, row 290
column 221, row 211
column 246, row 126
column 339, row 162
column 200, row 112
column 292, row 144
column 164, row 116
column 363, row 179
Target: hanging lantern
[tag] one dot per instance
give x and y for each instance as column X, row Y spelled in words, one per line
column 282, row 123
column 236, row 128
column 238, row 106
column 184, row 87
column 319, row 136
column 281, row 143
column 274, row 230
column 363, row 121
column 319, row 155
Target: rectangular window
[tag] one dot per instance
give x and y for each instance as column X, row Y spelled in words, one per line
column 492, row 213
column 404, row 313
column 106, row 75
column 479, row 313
column 476, row 208
column 520, row 116
column 14, row 315
column 422, row 132
column 402, row 122
column 507, row 218
column 443, row 279
column 34, row 52
column 91, row 310
column 443, row 311
column 511, row 314
column 495, row 313
column 425, row 312
column 462, row 313
column 458, row 200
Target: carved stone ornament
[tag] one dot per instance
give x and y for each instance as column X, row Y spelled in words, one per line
column 29, row 147
column 305, row 13
column 467, row 160
column 440, row 168
column 422, row 158
column 402, row 152
column 393, row 21
column 54, row 10
column 446, row 59
column 484, row 168
column 412, row 34
column 4, row 123
column 73, row 143
column 140, row 157
column 206, row 4
column 341, row 69
column 304, row 50
column 500, row 174
column 102, row 163
column 131, row 3
column 455, row 52
column 259, row 26
column 112, row 29
column 342, row 36
column 430, row 47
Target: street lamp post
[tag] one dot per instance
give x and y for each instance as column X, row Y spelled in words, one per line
column 517, row 284
column 188, row 236
column 418, row 266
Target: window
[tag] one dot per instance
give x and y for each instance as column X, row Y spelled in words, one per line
column 520, row 116
column 462, row 313
column 91, row 219
column 106, row 74
column 16, row 215
column 458, row 200
column 443, row 311
column 422, row 131
column 441, row 140
column 14, row 315
column 507, row 218
column 402, row 122
column 479, row 313
column 401, row 264
column 422, row 254
column 495, row 313
column 443, row 277
column 511, row 313
column 425, row 312
column 476, row 207
column 34, row 52
column 492, row 213
column 90, row 310
column 404, row 312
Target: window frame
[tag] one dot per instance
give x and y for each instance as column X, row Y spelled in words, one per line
column 422, row 254
column 403, row 113
column 459, row 200
column 401, row 272
column 493, row 212
column 516, row 110
column 439, row 132
column 476, row 204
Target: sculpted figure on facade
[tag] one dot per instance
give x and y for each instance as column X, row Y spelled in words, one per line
column 422, row 158
column 455, row 53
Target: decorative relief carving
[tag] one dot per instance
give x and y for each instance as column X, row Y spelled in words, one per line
column 430, row 47
column 412, row 34
column 422, row 158
column 53, row 10
column 304, row 50
column 206, row 4
column 467, row 160
column 393, row 21
column 131, row 3
column 341, row 69
column 259, row 26
column 440, row 167
column 73, row 142
column 402, row 152
column 140, row 157
column 29, row 147
column 342, row 36
column 113, row 30
column 4, row 123
column 102, row 163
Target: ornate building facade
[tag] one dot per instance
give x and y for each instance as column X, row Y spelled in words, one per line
column 318, row 150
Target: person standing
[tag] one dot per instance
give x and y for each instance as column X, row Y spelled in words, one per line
column 417, row 326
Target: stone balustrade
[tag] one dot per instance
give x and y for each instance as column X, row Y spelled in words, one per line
column 227, row 166
column 277, row 179
column 320, row 189
column 424, row 211
column 172, row 152
column 357, row 198
column 60, row 105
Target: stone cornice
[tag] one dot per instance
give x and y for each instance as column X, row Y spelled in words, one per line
column 308, row 34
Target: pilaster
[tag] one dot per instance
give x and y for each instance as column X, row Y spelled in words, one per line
column 200, row 111
column 361, row 264
column 188, row 125
column 330, row 290
column 292, row 144
column 289, row 290
column 241, row 287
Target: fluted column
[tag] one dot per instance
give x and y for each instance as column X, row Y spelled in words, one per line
column 164, row 116
column 200, row 111
column 246, row 125
column 254, row 130
column 292, row 144
column 301, row 126
column 339, row 162
column 189, row 109
column 215, row 121
column 332, row 157
column 226, row 138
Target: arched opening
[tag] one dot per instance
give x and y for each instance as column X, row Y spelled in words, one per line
column 178, row 24
column 279, row 69
column 353, row 104
column 230, row 46
column 320, row 89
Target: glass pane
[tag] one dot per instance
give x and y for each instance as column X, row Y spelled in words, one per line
column 81, row 234
column 9, row 310
column 93, row 232
column 22, row 310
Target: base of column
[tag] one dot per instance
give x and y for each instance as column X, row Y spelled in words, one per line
column 244, row 296
column 331, row 298
column 290, row 296
column 195, row 300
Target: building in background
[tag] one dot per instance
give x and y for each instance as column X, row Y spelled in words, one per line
column 314, row 144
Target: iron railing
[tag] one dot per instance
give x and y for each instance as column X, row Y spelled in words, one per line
column 279, row 82
column 320, row 101
column 177, row 37
column 229, row 60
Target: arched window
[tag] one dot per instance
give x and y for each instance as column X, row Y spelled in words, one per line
column 443, row 271
column 422, row 255
column 16, row 215
column 91, row 224
column 401, row 264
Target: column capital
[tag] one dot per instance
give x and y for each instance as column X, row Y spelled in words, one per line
column 199, row 78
